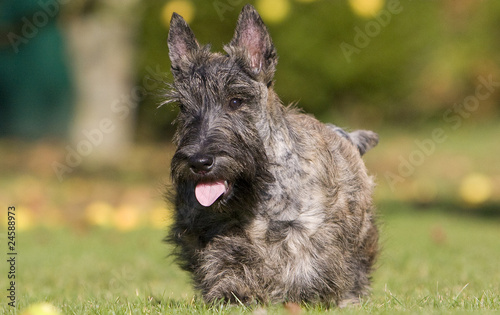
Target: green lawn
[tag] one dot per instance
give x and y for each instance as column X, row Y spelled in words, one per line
column 432, row 261
column 91, row 244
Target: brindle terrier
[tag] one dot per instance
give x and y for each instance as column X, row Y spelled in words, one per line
column 271, row 205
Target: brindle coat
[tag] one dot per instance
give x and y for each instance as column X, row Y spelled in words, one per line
column 296, row 220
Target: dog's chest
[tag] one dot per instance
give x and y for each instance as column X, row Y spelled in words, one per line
column 298, row 206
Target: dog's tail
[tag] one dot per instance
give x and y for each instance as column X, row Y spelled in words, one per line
column 364, row 140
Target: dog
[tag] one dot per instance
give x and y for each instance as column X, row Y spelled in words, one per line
column 271, row 205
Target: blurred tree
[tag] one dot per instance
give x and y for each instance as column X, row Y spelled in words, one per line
column 102, row 39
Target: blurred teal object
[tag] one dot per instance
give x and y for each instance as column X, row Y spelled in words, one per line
column 36, row 98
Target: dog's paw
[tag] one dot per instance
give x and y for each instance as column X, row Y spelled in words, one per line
column 232, row 296
column 349, row 302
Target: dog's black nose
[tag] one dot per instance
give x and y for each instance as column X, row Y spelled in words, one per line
column 201, row 164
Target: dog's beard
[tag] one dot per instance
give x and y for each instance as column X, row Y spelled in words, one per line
column 231, row 184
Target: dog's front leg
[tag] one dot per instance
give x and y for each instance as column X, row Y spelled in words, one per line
column 229, row 269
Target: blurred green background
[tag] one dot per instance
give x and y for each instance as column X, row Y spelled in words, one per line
column 81, row 83
column 412, row 64
column 84, row 145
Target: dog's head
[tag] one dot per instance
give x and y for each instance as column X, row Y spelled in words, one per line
column 220, row 155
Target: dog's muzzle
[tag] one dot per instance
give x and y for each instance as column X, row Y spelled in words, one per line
column 206, row 192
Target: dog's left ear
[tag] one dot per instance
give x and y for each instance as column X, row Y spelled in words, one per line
column 253, row 37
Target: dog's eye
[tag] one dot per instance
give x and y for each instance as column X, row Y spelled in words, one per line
column 235, row 103
column 182, row 107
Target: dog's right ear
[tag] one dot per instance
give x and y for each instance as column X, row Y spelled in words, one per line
column 181, row 40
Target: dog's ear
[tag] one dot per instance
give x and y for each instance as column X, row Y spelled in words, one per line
column 181, row 40
column 253, row 37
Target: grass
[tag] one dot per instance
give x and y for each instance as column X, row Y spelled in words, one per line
column 439, row 254
column 432, row 261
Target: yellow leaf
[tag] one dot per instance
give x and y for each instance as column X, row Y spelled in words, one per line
column 273, row 11
column 366, row 8
column 182, row 7
column 476, row 188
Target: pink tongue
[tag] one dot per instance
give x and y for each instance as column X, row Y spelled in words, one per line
column 207, row 193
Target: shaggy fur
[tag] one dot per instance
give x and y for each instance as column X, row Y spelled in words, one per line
column 295, row 222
